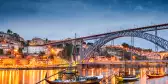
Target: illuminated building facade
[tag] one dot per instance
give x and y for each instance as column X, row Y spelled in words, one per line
column 34, row 49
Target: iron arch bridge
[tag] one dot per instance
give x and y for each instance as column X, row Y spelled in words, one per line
column 102, row 41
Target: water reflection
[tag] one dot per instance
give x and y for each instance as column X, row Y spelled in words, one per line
column 33, row 76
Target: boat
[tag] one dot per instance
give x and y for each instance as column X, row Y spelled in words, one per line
column 76, row 79
column 71, row 77
column 155, row 75
column 127, row 78
column 124, row 76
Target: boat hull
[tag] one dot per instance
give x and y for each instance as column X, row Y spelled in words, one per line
column 96, row 81
column 127, row 79
column 130, row 79
column 79, row 82
column 155, row 76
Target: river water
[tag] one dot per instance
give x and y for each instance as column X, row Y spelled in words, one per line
column 33, row 76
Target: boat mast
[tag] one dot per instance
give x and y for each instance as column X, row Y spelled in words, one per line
column 75, row 49
column 125, row 63
column 75, row 52
column 132, row 46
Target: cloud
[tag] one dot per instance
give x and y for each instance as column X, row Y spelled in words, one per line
column 139, row 7
column 17, row 7
column 59, row 19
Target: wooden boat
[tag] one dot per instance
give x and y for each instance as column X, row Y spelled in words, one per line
column 127, row 78
column 77, row 80
column 124, row 76
column 155, row 75
column 73, row 82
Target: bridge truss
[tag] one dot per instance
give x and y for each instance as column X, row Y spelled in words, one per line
column 102, row 41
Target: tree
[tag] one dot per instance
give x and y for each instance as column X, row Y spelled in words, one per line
column 8, row 53
column 16, row 35
column 1, row 52
column 67, row 53
column 125, row 45
column 90, row 43
column 23, row 43
column 9, row 31
column 20, row 50
column 46, row 40
column 41, row 53
column 69, row 49
column 51, row 56
column 28, row 41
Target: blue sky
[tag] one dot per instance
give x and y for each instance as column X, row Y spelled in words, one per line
column 59, row 19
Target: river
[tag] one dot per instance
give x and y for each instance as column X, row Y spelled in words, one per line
column 33, row 76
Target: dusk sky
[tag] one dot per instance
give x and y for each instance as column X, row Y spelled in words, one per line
column 60, row 19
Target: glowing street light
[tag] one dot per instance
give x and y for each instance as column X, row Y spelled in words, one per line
column 15, row 52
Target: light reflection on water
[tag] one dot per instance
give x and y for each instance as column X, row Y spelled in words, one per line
column 33, row 76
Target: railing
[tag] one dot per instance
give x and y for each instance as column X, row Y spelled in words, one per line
column 141, row 29
column 128, row 61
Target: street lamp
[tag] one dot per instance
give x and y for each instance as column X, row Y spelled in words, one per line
column 15, row 52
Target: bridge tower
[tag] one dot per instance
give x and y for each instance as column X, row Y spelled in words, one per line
column 132, row 45
column 156, row 47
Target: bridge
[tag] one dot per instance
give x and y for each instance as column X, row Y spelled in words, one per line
column 97, row 36
column 104, row 38
column 128, row 61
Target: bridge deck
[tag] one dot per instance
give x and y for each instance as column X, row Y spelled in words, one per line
column 144, row 29
column 122, row 62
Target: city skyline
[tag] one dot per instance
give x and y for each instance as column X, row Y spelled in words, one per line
column 62, row 19
column 83, row 41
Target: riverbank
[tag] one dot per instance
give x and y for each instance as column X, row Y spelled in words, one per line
column 36, row 68
column 92, row 65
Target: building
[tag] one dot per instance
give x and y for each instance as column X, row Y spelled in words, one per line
column 164, row 55
column 5, row 47
column 36, row 45
column 34, row 49
column 8, row 47
column 37, row 41
column 8, row 43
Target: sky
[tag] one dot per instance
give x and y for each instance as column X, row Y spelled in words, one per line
column 60, row 19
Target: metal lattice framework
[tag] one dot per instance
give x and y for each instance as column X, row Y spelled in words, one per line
column 97, row 36
column 102, row 41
